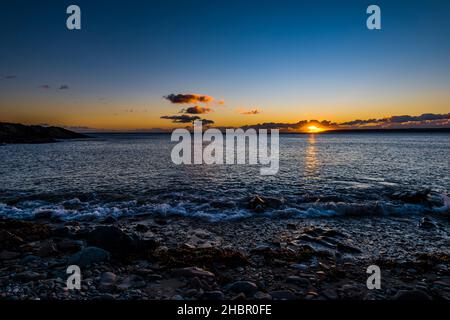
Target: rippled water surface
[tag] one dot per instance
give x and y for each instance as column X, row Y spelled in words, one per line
column 133, row 174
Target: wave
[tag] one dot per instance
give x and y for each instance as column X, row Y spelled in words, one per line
column 217, row 210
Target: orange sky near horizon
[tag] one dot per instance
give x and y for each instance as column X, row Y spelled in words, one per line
column 120, row 115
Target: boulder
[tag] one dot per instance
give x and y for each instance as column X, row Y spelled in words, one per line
column 88, row 256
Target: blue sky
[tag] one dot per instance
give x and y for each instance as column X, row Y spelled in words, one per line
column 304, row 59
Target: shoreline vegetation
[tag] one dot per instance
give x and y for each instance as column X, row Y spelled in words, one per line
column 14, row 133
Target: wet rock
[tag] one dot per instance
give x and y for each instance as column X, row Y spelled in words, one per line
column 15, row 232
column 47, row 249
column 412, row 295
column 239, row 297
column 131, row 282
column 111, row 238
column 44, row 215
column 283, row 295
column 109, row 220
column 141, row 228
column 8, row 255
column 299, row 281
column 426, row 223
column 330, row 294
column 262, row 296
column 107, row 280
column 246, row 287
column 88, row 256
column 28, row 276
column 255, row 202
column 299, row 266
column 223, row 204
column 62, row 232
column 9, row 240
column 192, row 272
column 260, row 204
column 69, row 245
column 29, row 259
column 213, row 295
column 119, row 243
column 419, row 196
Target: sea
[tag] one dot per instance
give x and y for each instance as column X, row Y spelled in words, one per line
column 320, row 175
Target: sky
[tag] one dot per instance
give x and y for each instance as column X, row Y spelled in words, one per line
column 141, row 65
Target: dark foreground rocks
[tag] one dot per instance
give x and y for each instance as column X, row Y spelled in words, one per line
column 257, row 259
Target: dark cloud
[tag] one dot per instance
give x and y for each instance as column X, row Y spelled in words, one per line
column 10, row 76
column 196, row 110
column 291, row 126
column 276, row 125
column 182, row 118
column 423, row 119
column 188, row 119
column 64, row 87
column 207, row 122
column 188, row 98
column 250, row 112
column 359, row 122
column 44, row 86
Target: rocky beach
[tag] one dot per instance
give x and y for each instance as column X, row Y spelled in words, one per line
column 179, row 258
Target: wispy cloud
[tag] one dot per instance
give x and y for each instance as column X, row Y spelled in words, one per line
column 10, row 76
column 64, row 87
column 182, row 118
column 250, row 112
column 44, row 86
column 188, row 119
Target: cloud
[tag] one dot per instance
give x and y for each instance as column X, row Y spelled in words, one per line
column 250, row 112
column 359, row 122
column 423, row 120
column 188, row 98
column 44, row 86
column 10, row 76
column 196, row 110
column 181, row 119
column 188, row 119
column 286, row 126
column 64, row 87
column 206, row 122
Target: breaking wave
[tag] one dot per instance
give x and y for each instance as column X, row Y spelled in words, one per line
column 217, row 210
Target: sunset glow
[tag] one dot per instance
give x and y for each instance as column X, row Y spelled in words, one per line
column 314, row 129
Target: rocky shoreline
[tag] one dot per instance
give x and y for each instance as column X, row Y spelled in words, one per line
column 150, row 257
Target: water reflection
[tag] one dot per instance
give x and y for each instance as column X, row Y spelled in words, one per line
column 311, row 161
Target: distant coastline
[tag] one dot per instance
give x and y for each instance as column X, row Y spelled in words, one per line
column 15, row 133
column 337, row 131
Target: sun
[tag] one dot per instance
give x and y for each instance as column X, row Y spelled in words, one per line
column 314, row 129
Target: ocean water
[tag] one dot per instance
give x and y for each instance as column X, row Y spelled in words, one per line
column 132, row 174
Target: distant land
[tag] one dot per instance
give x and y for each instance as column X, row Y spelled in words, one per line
column 397, row 130
column 333, row 131
column 19, row 133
